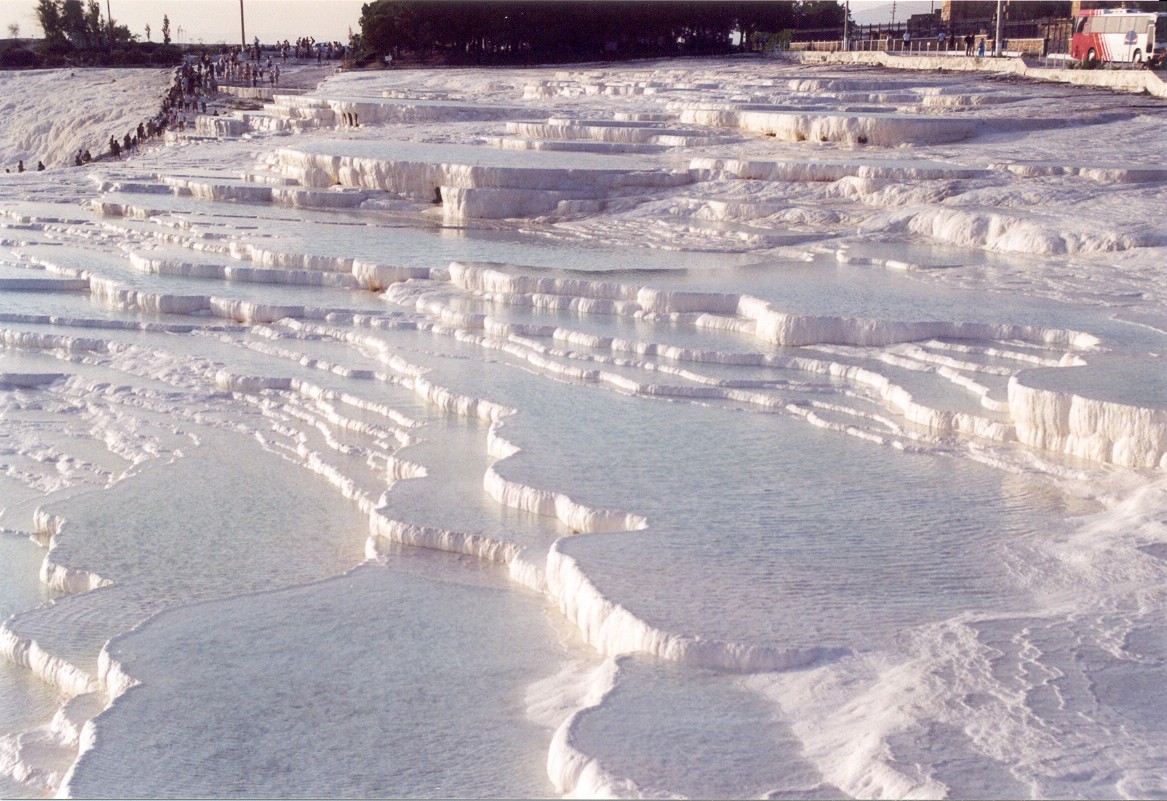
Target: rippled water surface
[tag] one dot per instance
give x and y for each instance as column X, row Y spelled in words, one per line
column 674, row 483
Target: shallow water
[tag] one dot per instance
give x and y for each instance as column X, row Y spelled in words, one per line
column 610, row 502
column 379, row 683
column 470, row 155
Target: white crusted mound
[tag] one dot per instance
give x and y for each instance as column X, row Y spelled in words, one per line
column 613, row 630
column 469, row 190
column 1098, row 430
column 795, row 263
column 33, row 129
column 879, row 130
column 1005, row 230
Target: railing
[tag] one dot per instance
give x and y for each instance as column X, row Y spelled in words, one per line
column 926, row 47
column 1041, row 37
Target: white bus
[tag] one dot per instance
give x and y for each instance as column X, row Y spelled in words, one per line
column 1119, row 35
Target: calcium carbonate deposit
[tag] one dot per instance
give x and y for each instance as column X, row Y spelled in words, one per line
column 719, row 428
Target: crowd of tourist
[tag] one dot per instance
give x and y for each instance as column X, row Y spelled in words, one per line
column 198, row 80
column 255, row 64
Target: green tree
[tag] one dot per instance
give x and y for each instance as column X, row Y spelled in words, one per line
column 385, row 26
column 73, row 23
column 758, row 21
column 94, row 30
column 819, row 14
column 48, row 13
column 526, row 31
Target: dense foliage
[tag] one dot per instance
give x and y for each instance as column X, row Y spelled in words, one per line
column 76, row 33
column 528, row 31
column 69, row 24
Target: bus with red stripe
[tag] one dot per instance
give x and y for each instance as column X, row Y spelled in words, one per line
column 1124, row 36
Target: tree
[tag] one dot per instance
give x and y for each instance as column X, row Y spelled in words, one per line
column 384, row 26
column 525, row 31
column 165, row 29
column 48, row 13
column 819, row 14
column 121, row 33
column 147, row 31
column 73, row 23
column 94, row 30
column 14, row 30
column 758, row 22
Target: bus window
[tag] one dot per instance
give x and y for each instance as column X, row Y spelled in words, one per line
column 1161, row 29
column 1081, row 27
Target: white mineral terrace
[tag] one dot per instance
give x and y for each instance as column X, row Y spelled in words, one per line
column 803, row 424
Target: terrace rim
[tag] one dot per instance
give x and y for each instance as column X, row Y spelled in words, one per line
column 1122, row 80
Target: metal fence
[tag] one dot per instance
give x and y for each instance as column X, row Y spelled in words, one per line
column 1048, row 36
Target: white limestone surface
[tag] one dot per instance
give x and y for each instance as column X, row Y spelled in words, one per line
column 695, row 428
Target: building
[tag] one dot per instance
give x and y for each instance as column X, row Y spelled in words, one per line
column 959, row 11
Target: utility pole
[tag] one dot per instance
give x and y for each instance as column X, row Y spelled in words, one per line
column 996, row 35
column 242, row 30
column 846, row 22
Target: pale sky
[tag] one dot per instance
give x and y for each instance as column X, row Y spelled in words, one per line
column 213, row 21
column 870, row 12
